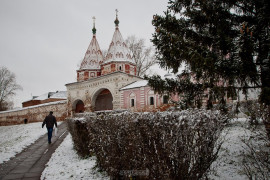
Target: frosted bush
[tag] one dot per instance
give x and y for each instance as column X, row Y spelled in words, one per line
column 78, row 129
column 167, row 145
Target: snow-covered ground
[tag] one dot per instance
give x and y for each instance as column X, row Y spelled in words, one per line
column 13, row 139
column 66, row 164
column 228, row 166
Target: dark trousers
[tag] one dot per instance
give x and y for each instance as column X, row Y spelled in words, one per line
column 50, row 130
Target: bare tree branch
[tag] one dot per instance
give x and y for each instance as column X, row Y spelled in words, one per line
column 143, row 56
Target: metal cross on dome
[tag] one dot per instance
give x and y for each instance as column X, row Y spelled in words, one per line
column 116, row 10
column 94, row 28
column 94, row 18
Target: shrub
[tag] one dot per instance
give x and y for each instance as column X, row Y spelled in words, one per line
column 256, row 162
column 168, row 145
column 253, row 110
column 256, row 113
column 266, row 121
column 78, row 130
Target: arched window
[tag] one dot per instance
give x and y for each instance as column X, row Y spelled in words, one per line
column 151, row 100
column 128, row 56
column 132, row 100
column 165, row 99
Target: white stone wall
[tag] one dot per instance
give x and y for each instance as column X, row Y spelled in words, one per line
column 34, row 113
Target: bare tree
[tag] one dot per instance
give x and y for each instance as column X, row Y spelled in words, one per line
column 143, row 56
column 8, row 87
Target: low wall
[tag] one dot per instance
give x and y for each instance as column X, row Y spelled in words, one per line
column 35, row 113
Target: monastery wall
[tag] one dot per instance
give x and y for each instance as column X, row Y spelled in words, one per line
column 35, row 113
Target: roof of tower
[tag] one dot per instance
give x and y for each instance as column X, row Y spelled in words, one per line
column 93, row 56
column 118, row 50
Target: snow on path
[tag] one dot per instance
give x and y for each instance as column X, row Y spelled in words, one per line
column 228, row 165
column 13, row 139
column 66, row 164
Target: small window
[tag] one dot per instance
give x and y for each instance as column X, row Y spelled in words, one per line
column 120, row 68
column 151, row 100
column 132, row 102
column 165, row 99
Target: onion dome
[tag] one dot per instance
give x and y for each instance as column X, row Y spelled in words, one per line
column 118, row 50
column 93, row 56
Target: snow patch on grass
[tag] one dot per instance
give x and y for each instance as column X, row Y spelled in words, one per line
column 13, row 139
column 228, row 166
column 66, row 164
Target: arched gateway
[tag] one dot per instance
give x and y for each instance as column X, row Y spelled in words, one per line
column 78, row 106
column 103, row 100
column 100, row 78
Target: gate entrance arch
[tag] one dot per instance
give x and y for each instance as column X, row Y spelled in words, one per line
column 103, row 100
column 78, row 106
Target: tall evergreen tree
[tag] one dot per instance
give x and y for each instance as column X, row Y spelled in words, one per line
column 223, row 40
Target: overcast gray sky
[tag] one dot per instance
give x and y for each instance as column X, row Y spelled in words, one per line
column 42, row 41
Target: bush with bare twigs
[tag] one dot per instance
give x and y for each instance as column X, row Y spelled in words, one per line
column 256, row 161
column 168, row 145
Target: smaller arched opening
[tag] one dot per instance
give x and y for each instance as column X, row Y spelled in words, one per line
column 78, row 106
column 151, row 98
column 132, row 100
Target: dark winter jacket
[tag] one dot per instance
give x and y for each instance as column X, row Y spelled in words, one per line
column 49, row 121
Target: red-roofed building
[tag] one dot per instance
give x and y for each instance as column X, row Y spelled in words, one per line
column 46, row 98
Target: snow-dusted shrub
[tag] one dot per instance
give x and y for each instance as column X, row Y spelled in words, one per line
column 257, row 113
column 266, row 121
column 79, row 133
column 253, row 110
column 83, row 115
column 168, row 145
column 256, row 161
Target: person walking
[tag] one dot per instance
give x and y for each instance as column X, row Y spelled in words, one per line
column 50, row 121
